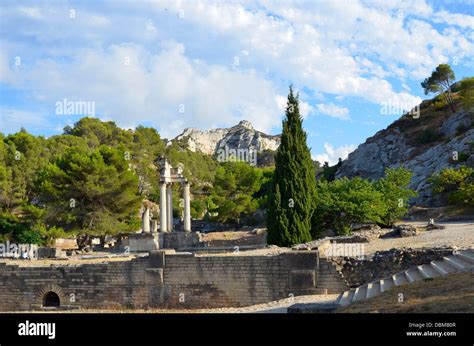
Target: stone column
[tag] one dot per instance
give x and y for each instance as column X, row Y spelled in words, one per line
column 169, row 193
column 187, row 208
column 154, row 226
column 146, row 221
column 163, row 211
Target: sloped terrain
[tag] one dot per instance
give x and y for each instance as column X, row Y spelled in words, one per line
column 451, row 293
column 424, row 144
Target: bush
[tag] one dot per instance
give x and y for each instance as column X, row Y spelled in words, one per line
column 467, row 92
column 455, row 183
column 13, row 229
column 461, row 129
column 429, row 136
column 440, row 105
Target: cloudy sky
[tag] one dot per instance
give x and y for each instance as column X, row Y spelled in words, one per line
column 207, row 64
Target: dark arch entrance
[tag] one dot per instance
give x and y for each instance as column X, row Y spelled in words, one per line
column 51, row 299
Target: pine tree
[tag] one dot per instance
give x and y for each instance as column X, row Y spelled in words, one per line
column 293, row 194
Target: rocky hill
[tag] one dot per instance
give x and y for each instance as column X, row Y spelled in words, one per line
column 424, row 144
column 240, row 136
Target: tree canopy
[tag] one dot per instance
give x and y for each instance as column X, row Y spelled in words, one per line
column 440, row 81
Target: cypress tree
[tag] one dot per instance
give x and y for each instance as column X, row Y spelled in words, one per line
column 293, row 193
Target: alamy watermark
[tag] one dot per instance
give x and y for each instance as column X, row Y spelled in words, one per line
column 237, row 155
column 68, row 107
column 12, row 250
column 356, row 250
column 399, row 108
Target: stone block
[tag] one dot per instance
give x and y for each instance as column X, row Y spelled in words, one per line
column 301, row 260
column 302, row 279
column 50, row 252
column 66, row 244
column 141, row 242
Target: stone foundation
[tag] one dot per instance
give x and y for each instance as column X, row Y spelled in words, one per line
column 172, row 280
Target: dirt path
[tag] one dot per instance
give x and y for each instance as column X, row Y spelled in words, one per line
column 458, row 234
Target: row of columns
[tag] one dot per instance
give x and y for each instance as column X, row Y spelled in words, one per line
column 166, row 207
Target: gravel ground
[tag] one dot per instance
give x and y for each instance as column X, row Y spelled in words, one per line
column 458, row 234
column 278, row 306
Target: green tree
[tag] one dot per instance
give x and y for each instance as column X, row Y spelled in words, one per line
column 90, row 191
column 292, row 199
column 96, row 132
column 23, row 156
column 395, row 193
column 345, row 201
column 440, row 82
column 234, row 187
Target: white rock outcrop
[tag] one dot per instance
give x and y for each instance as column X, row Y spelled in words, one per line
column 240, row 136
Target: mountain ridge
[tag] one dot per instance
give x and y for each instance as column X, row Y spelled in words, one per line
column 240, row 136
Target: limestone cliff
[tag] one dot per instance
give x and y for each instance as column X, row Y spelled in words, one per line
column 240, row 136
column 426, row 144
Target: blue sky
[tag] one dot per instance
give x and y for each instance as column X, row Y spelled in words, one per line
column 207, row 64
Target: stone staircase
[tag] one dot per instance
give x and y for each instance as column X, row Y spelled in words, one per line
column 462, row 261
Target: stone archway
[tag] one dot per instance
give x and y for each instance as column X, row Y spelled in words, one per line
column 51, row 296
column 51, row 299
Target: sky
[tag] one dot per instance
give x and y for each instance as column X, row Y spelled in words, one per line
column 206, row 64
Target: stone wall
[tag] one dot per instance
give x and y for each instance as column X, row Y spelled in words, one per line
column 107, row 285
column 358, row 272
column 174, row 280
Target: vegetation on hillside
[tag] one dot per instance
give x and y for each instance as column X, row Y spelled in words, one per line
column 456, row 184
column 440, row 81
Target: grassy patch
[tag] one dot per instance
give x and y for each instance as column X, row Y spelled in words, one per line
column 452, row 293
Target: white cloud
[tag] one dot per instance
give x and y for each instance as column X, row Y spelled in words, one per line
column 461, row 20
column 153, row 86
column 311, row 45
column 333, row 111
column 32, row 12
column 343, row 48
column 332, row 155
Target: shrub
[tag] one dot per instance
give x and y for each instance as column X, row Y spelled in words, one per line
column 428, row 136
column 461, row 129
column 455, row 183
column 467, row 92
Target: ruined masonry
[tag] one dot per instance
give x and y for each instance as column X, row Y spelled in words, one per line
column 166, row 279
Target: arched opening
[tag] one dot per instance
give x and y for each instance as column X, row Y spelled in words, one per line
column 51, row 299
